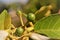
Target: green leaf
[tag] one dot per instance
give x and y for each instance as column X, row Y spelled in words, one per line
column 5, row 20
column 2, row 17
column 49, row 26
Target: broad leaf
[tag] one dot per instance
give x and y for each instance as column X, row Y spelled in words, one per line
column 5, row 20
column 49, row 26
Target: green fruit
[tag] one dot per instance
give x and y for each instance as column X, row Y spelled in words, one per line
column 19, row 31
column 31, row 17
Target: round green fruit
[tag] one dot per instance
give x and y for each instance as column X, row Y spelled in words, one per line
column 31, row 17
column 19, row 31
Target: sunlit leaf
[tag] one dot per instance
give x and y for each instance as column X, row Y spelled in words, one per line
column 5, row 20
column 2, row 17
column 49, row 26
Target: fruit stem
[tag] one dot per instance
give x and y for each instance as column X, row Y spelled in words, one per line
column 24, row 15
column 20, row 13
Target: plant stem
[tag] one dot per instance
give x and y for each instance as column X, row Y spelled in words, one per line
column 20, row 15
column 41, row 9
column 24, row 15
column 21, row 20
